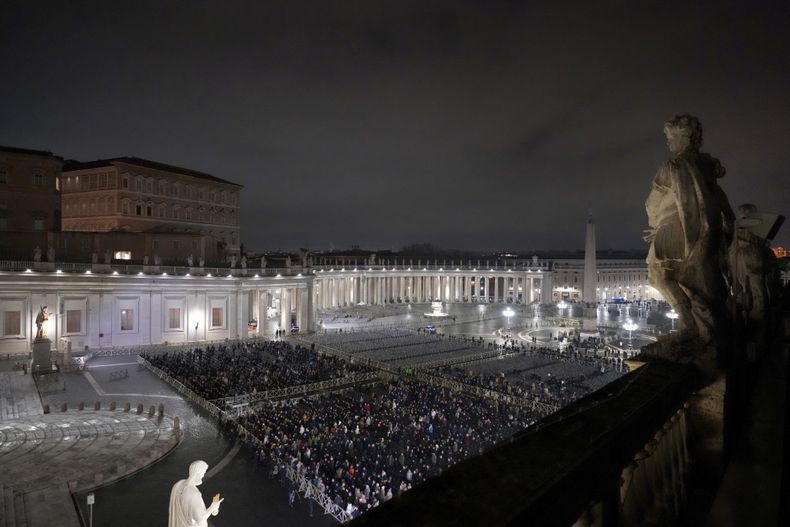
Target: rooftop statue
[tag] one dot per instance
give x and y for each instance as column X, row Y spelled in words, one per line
column 691, row 227
column 186, row 503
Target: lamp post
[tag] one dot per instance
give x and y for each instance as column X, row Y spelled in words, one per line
column 630, row 326
column 508, row 313
column 673, row 316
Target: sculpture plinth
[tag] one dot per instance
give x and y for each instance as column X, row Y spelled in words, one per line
column 42, row 355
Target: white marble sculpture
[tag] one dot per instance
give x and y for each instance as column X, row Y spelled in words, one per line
column 186, row 503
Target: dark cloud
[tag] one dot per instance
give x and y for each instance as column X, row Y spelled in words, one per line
column 464, row 124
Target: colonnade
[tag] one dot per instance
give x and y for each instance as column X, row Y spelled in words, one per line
column 291, row 304
column 345, row 288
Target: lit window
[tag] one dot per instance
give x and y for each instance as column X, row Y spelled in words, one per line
column 127, row 319
column 174, row 318
column 217, row 317
column 122, row 255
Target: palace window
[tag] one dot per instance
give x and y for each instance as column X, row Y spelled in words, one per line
column 127, row 319
column 12, row 323
column 38, row 179
column 217, row 317
column 73, row 321
column 174, row 318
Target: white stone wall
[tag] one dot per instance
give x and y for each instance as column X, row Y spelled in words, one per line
column 130, row 310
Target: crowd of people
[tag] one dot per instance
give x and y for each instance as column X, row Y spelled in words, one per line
column 250, row 367
column 363, row 446
column 543, row 374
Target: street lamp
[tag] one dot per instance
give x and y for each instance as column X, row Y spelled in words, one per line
column 630, row 326
column 673, row 316
column 508, row 313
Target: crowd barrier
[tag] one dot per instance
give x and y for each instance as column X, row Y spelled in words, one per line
column 290, row 392
column 157, row 349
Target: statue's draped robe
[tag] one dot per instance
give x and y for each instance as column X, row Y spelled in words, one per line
column 186, row 506
column 690, row 220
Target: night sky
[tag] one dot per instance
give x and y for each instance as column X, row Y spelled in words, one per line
column 469, row 125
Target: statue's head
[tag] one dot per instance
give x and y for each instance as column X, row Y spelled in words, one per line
column 196, row 472
column 684, row 132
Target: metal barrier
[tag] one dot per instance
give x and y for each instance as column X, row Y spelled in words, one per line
column 290, row 392
column 157, row 349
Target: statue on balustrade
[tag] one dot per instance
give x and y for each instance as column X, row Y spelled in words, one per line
column 754, row 268
column 186, row 502
column 243, row 262
column 190, row 260
column 107, row 256
column 37, row 254
column 263, row 262
column 691, row 227
column 51, row 254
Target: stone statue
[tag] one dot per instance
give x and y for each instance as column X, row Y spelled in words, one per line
column 186, row 503
column 691, row 225
column 37, row 254
column 263, row 262
column 107, row 257
column 288, row 262
column 373, row 259
column 753, row 267
column 94, row 258
column 157, row 260
column 190, row 260
column 145, row 260
column 43, row 316
column 201, row 262
column 243, row 262
column 233, row 261
column 51, row 254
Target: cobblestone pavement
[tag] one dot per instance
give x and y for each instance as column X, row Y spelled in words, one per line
column 47, row 457
column 18, row 396
column 251, row 497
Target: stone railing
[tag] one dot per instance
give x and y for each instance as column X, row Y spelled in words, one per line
column 309, row 490
column 136, row 269
column 446, row 266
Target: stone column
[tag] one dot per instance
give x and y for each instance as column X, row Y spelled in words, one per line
column 496, row 289
column 285, row 309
